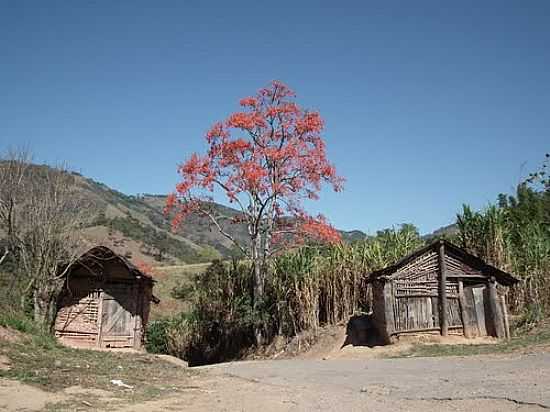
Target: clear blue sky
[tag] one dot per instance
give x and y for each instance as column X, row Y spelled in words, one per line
column 428, row 104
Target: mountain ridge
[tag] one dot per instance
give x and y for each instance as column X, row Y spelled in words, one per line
column 135, row 226
column 140, row 218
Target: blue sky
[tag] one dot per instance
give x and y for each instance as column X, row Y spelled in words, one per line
column 427, row 105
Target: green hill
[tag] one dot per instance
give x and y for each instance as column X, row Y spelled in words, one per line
column 136, row 227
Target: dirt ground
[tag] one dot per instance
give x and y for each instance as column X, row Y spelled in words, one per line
column 477, row 383
column 330, row 376
column 334, row 343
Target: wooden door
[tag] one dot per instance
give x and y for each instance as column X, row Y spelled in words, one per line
column 416, row 305
column 413, row 313
column 475, row 310
column 118, row 316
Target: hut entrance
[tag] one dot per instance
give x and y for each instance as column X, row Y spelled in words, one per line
column 476, row 311
column 417, row 305
column 118, row 316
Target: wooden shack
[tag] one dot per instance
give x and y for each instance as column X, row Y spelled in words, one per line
column 105, row 302
column 442, row 289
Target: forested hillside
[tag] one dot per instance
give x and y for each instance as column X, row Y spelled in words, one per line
column 136, row 227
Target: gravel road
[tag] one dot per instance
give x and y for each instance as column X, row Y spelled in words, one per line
column 487, row 383
column 477, row 383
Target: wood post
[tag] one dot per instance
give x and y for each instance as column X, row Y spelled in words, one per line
column 100, row 318
column 496, row 313
column 138, row 330
column 443, row 320
column 389, row 297
column 505, row 315
column 383, row 309
column 463, row 311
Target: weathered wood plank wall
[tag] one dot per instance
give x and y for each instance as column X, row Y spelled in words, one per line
column 441, row 288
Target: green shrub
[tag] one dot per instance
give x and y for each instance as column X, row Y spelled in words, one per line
column 18, row 321
column 157, row 336
column 304, row 288
column 531, row 316
column 44, row 340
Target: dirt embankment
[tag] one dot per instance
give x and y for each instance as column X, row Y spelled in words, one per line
column 356, row 339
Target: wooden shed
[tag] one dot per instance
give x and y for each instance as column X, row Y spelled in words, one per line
column 105, row 302
column 441, row 288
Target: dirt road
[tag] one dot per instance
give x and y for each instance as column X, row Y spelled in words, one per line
column 479, row 383
column 488, row 383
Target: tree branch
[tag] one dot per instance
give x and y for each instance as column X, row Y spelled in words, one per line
column 4, row 256
column 223, row 232
column 224, row 187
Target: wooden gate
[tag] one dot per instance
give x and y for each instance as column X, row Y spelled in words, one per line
column 476, row 309
column 118, row 316
column 417, row 308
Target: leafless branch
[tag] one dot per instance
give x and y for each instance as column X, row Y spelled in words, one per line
column 42, row 212
column 5, row 255
column 223, row 232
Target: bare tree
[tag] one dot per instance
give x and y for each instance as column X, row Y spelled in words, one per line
column 13, row 169
column 42, row 213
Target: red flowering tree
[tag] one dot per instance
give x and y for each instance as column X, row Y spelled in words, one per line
column 146, row 268
column 266, row 159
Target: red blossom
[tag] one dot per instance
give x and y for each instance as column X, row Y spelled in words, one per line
column 217, row 131
column 248, row 101
column 146, row 268
column 267, row 159
column 171, row 200
column 246, row 121
column 319, row 229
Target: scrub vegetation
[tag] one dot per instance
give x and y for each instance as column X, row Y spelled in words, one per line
column 316, row 285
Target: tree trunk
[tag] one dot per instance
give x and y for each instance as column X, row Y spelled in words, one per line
column 44, row 309
column 258, row 298
column 258, row 289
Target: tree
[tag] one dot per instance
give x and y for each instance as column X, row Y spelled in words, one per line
column 541, row 178
column 266, row 159
column 41, row 215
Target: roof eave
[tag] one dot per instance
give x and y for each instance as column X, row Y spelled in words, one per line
column 502, row 277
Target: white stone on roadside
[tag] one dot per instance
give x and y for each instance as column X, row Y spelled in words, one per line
column 118, row 382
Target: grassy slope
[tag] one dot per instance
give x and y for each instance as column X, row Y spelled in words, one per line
column 38, row 360
column 167, row 278
column 195, row 234
column 538, row 339
column 140, row 222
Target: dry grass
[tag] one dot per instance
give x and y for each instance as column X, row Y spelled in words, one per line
column 167, row 278
column 39, row 361
column 538, row 339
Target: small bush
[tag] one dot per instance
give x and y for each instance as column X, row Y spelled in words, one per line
column 177, row 336
column 531, row 316
column 157, row 336
column 18, row 321
column 44, row 340
column 182, row 337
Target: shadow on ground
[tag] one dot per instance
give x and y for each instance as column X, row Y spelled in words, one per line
column 360, row 331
